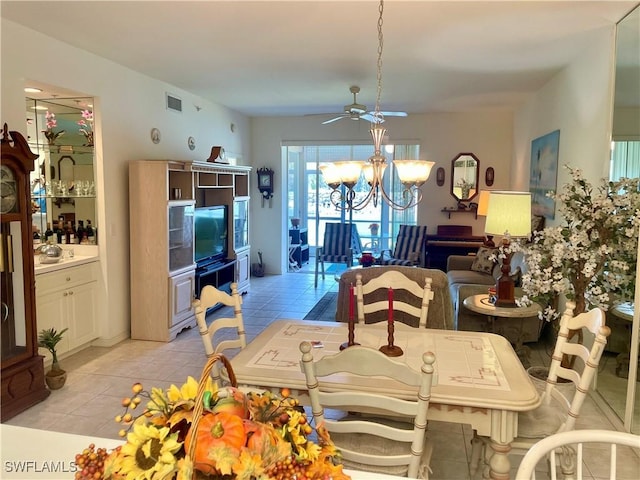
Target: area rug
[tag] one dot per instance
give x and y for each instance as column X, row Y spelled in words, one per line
column 325, row 309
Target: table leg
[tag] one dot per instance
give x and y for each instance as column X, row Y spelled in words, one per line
column 499, row 463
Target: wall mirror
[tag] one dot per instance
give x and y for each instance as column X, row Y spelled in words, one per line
column 60, row 131
column 465, row 171
column 617, row 385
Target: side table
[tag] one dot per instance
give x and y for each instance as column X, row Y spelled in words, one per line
column 481, row 304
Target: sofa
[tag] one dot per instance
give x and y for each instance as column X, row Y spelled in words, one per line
column 465, row 282
column 440, row 308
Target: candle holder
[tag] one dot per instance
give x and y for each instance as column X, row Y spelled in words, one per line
column 391, row 350
column 350, row 339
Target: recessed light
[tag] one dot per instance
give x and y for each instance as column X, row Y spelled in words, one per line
column 32, row 90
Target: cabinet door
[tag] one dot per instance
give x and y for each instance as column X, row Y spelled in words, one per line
column 243, row 270
column 181, row 291
column 240, row 223
column 82, row 315
column 51, row 312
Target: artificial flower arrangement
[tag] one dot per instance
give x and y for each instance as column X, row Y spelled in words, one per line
column 86, row 126
column 592, row 254
column 49, row 133
column 205, row 432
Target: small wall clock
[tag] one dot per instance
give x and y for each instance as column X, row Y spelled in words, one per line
column 265, row 182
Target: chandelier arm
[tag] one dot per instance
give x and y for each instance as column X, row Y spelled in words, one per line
column 414, row 193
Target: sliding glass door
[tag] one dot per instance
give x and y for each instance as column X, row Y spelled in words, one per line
column 309, row 197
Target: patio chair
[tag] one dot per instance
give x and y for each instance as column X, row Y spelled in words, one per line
column 410, row 247
column 557, row 413
column 368, row 442
column 408, row 294
column 209, row 297
column 337, row 247
column 557, row 443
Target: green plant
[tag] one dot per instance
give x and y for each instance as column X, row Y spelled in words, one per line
column 48, row 339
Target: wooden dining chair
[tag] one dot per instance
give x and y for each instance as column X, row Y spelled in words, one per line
column 366, row 435
column 234, row 326
column 557, row 413
column 409, row 297
column 576, row 439
column 410, row 247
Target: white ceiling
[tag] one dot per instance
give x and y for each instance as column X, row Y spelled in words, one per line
column 265, row 58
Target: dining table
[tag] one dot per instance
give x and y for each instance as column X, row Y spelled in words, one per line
column 478, row 377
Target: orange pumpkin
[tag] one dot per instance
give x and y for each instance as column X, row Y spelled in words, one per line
column 235, row 402
column 220, row 429
column 260, row 436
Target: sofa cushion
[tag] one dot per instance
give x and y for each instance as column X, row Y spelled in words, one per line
column 483, row 262
column 469, row 276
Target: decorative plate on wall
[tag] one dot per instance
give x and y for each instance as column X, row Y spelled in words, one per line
column 191, row 142
column 440, row 176
column 489, row 176
column 155, row 135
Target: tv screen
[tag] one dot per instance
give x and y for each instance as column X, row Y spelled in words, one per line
column 211, row 233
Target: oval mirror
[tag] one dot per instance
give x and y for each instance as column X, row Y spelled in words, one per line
column 465, row 170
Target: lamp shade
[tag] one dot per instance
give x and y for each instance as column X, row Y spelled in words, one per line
column 509, row 213
column 413, row 172
column 483, row 202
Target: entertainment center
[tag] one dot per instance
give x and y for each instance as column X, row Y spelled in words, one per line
column 188, row 228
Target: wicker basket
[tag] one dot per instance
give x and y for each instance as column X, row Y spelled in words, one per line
column 199, row 404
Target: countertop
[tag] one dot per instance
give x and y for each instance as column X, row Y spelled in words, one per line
column 66, row 262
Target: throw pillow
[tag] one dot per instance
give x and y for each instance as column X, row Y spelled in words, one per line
column 482, row 262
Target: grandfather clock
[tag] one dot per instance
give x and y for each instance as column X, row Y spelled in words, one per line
column 22, row 369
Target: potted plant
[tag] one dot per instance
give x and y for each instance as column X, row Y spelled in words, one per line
column 49, row 338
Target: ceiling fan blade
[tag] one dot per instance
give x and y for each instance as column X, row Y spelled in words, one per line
column 369, row 118
column 334, row 119
column 394, row 114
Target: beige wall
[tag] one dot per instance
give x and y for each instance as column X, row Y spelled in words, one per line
column 578, row 102
column 127, row 106
column 440, row 136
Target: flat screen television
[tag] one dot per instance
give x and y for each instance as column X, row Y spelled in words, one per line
column 211, row 234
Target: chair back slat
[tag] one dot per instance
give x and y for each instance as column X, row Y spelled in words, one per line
column 209, row 297
column 367, row 441
column 419, row 308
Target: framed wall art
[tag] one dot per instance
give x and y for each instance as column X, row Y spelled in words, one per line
column 544, row 174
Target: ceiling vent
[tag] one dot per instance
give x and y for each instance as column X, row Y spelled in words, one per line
column 174, row 103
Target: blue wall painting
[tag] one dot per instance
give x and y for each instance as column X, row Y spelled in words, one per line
column 544, row 174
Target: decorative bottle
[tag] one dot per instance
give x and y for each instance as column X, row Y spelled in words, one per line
column 91, row 239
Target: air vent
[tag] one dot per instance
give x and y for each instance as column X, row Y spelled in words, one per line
column 174, row 103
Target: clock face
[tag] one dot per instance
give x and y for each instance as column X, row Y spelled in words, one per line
column 8, row 191
column 265, row 181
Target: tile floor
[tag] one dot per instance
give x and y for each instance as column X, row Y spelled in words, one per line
column 99, row 377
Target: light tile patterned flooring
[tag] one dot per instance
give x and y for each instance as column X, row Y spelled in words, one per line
column 98, row 378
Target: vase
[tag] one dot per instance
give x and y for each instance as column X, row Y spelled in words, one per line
column 367, row 259
column 295, row 222
column 55, row 379
column 374, row 231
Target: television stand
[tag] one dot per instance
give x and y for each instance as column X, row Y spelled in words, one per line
column 220, row 274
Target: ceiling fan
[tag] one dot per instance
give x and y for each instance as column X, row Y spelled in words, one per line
column 357, row 111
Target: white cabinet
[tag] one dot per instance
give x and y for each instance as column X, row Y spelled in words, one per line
column 67, row 299
column 243, row 276
column 181, row 288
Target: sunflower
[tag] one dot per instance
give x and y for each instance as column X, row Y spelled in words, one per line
column 149, row 454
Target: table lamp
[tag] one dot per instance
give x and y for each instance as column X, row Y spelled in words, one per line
column 508, row 214
column 483, row 208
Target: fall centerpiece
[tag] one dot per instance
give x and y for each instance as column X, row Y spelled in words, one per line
column 201, row 431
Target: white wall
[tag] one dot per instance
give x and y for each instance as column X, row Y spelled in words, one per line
column 578, row 102
column 441, row 138
column 127, row 106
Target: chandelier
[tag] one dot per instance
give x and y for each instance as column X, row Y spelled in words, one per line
column 412, row 173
